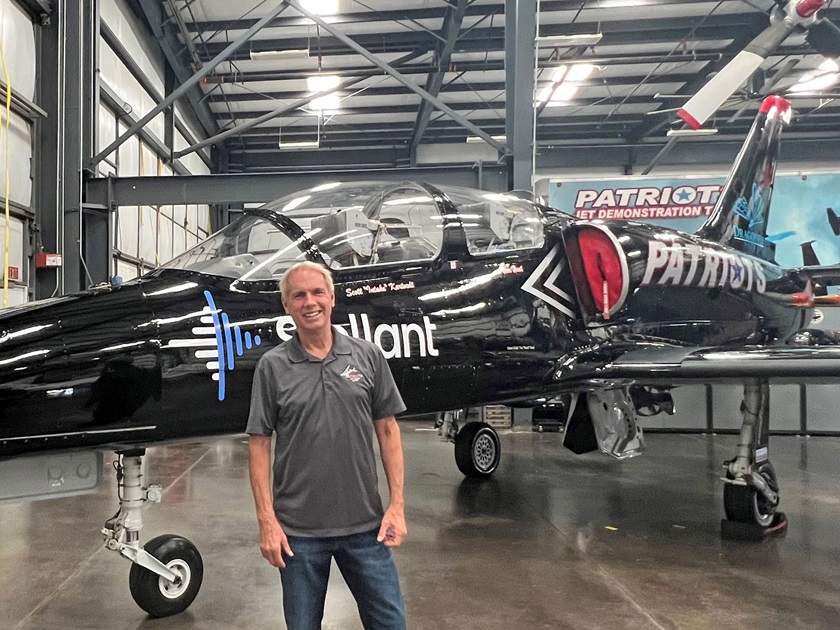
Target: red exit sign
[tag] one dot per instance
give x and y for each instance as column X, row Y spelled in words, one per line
column 14, row 273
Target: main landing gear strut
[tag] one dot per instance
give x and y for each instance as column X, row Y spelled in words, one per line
column 166, row 573
column 751, row 493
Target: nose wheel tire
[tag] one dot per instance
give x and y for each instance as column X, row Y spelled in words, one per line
column 155, row 594
column 745, row 504
column 477, row 449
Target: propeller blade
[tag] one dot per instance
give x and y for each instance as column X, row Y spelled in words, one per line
column 712, row 95
column 765, row 88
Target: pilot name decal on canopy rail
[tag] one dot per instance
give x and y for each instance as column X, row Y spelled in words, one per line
column 688, row 265
column 394, row 340
column 382, row 287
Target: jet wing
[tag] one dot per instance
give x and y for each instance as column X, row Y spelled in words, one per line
column 662, row 365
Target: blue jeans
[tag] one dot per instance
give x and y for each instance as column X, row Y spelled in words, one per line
column 366, row 565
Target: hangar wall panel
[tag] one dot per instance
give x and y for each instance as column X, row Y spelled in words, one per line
column 126, row 270
column 145, row 236
column 106, row 134
column 19, row 139
column 689, row 410
column 784, row 407
column 17, row 37
column 127, row 232
column 115, row 15
column 192, row 161
column 116, row 76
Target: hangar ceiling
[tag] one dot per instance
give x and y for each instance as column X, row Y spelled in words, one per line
column 634, row 64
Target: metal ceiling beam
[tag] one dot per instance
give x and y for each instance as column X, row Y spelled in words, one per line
column 112, row 100
column 430, row 13
column 482, row 66
column 254, row 188
column 521, row 31
column 617, row 33
column 130, row 64
column 399, row 77
column 38, row 10
column 655, row 123
column 443, row 53
column 226, row 119
column 284, row 109
column 580, row 137
column 189, row 83
column 402, row 131
column 167, row 36
column 452, row 87
column 469, row 106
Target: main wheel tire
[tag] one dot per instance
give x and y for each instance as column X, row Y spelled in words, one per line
column 158, row 596
column 745, row 504
column 477, row 449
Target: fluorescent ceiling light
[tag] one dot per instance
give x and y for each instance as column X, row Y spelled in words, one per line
column 687, row 133
column 320, row 7
column 616, row 4
column 562, row 94
column 474, row 139
column 565, row 82
column 582, row 39
column 580, row 72
column 290, row 53
column 303, row 144
column 825, row 77
column 321, row 83
column 329, row 104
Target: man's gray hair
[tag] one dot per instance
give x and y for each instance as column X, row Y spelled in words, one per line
column 306, row 264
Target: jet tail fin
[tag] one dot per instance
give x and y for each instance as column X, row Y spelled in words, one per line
column 739, row 219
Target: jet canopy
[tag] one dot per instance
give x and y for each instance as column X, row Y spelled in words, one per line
column 357, row 224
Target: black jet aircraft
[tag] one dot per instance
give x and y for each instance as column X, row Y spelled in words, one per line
column 473, row 297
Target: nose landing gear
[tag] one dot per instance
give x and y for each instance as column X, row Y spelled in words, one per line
column 166, row 573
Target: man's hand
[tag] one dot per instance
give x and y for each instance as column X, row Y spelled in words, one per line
column 273, row 543
column 393, row 530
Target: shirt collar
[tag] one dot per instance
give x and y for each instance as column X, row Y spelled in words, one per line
column 298, row 355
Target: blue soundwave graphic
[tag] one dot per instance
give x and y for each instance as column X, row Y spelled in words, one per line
column 218, row 342
column 225, row 335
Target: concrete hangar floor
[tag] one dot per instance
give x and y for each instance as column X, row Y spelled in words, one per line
column 553, row 541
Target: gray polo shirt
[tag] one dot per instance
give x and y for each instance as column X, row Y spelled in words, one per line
column 325, row 481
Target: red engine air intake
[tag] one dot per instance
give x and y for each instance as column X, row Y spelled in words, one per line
column 603, row 266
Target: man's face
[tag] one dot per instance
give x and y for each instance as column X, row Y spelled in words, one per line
column 309, row 300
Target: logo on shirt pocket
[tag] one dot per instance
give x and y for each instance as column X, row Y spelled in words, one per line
column 352, row 374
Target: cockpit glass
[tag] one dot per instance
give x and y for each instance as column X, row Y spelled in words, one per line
column 367, row 223
column 364, row 223
column 250, row 248
column 496, row 222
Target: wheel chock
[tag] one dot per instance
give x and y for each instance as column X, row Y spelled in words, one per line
column 752, row 532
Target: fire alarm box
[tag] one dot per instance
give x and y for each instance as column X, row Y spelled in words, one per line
column 45, row 260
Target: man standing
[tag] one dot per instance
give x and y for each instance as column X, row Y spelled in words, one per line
column 325, row 395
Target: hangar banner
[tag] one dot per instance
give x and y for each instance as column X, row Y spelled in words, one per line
column 804, row 212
